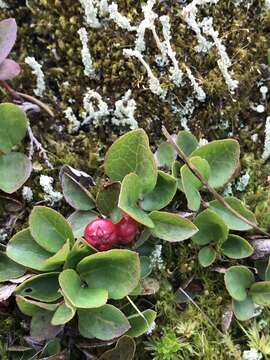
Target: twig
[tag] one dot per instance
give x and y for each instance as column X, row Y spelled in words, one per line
column 35, row 143
column 20, row 96
column 216, row 195
column 206, row 316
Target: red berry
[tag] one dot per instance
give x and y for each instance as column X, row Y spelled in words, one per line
column 127, row 229
column 101, row 233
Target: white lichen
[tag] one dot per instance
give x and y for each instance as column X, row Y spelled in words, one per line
column 37, row 71
column 264, row 90
column 197, row 89
column 224, row 63
column 154, row 84
column 27, row 194
column 124, row 111
column 91, row 13
column 184, row 112
column 96, row 110
column 3, row 5
column 156, row 258
column 189, row 14
column 51, row 196
column 73, row 123
column 3, row 235
column 146, row 23
column 85, row 53
column 176, row 73
column 242, row 182
column 122, row 21
column 266, row 150
column 252, row 354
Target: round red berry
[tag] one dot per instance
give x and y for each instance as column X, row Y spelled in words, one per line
column 127, row 229
column 101, row 233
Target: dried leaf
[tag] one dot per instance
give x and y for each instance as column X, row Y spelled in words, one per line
column 6, row 291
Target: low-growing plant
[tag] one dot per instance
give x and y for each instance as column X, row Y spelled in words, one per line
column 15, row 167
column 93, row 266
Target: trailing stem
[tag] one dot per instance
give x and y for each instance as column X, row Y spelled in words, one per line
column 215, row 194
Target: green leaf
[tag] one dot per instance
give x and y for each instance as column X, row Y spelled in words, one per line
column 176, row 173
column 49, row 228
column 107, row 198
column 211, row 228
column 223, row 158
column 165, row 154
column 79, row 296
column 78, row 221
column 129, row 195
column 41, row 327
column 146, row 266
column 171, row 227
column 52, row 347
column 260, row 293
column 31, row 307
column 44, row 287
column 9, row 269
column 187, row 142
column 79, row 251
column 60, row 257
column 140, row 325
column 104, row 323
column 131, row 153
column 63, row 314
column 238, row 279
column 15, row 169
column 75, row 194
column 244, row 310
column 13, row 126
column 191, row 184
column 23, row 249
column 231, row 220
column 124, row 350
column 267, row 271
column 162, row 194
column 117, row 271
column 235, row 247
column 207, row 256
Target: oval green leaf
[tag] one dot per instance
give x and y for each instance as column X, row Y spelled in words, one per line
column 223, row 158
column 23, row 249
column 235, row 247
column 49, row 228
column 231, row 220
column 244, row 310
column 79, row 296
column 171, row 227
column 78, row 221
column 9, row 269
column 75, row 194
column 131, row 190
column 44, row 287
column 15, row 169
column 238, row 279
column 260, row 293
column 104, row 323
column 191, row 184
column 140, row 325
column 162, row 194
column 13, row 126
column 211, row 228
column 31, row 307
column 117, row 271
column 63, row 314
column 107, row 198
column 187, row 142
column 207, row 256
column 132, row 153
column 124, row 350
column 165, row 154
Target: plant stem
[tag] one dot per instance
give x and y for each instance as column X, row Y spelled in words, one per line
column 20, row 96
column 215, row 194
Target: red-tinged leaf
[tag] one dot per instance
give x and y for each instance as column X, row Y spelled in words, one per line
column 9, row 69
column 8, row 33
